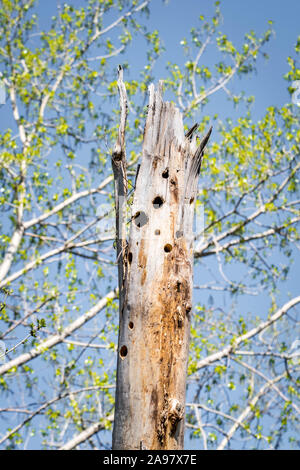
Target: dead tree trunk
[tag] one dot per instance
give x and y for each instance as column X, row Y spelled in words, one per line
column 156, row 269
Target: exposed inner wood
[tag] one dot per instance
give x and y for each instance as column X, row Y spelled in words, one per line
column 157, row 298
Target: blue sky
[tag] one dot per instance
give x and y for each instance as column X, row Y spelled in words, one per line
column 239, row 17
column 174, row 19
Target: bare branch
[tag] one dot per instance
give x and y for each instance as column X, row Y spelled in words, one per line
column 245, row 337
column 70, row 200
column 58, row 338
column 44, row 406
column 248, row 410
column 87, row 433
column 260, row 374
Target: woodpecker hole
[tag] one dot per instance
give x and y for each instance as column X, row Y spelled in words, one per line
column 130, row 325
column 157, row 202
column 130, row 257
column 191, row 200
column 157, row 232
column 165, row 173
column 123, row 351
column 168, row 248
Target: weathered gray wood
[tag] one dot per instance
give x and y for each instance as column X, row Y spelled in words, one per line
column 155, row 312
column 121, row 187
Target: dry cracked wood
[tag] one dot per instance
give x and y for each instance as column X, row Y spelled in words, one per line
column 157, row 298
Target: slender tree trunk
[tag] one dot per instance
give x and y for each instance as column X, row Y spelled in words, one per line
column 157, row 280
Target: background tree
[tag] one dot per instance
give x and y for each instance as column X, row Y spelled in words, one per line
column 58, row 275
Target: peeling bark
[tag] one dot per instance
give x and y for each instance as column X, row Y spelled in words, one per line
column 156, row 305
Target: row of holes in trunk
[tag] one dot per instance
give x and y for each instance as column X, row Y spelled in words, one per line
column 142, row 219
column 167, row 249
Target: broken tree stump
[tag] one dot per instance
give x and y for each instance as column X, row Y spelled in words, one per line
column 157, row 283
